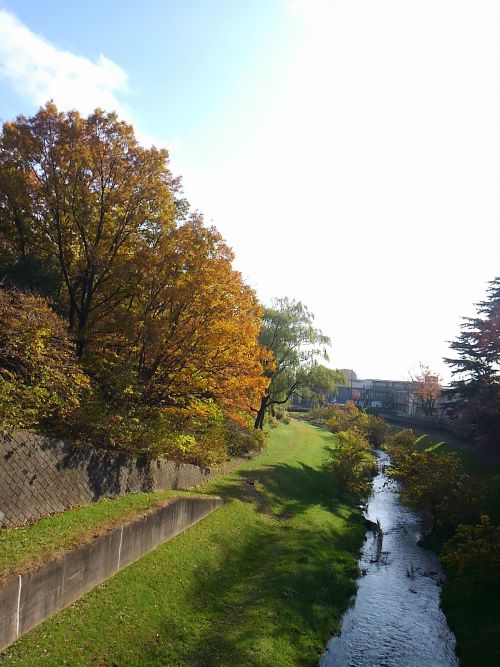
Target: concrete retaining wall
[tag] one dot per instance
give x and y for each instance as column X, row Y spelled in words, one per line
column 27, row 600
column 41, row 476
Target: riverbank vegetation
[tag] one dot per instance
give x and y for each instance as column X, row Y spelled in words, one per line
column 353, row 464
column 262, row 581
column 458, row 494
column 336, row 418
column 357, row 434
column 122, row 320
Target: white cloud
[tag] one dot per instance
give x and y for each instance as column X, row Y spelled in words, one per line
column 39, row 71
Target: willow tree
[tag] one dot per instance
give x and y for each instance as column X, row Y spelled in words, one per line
column 292, row 347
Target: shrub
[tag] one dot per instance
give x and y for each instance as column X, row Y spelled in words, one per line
column 191, row 434
column 242, row 439
column 321, row 414
column 399, row 445
column 353, row 463
column 198, row 433
column 281, row 414
column 377, row 430
column 436, row 485
column 347, row 418
column 41, row 382
column 475, row 549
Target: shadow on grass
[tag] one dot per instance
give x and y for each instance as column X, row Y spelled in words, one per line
column 274, row 601
column 284, row 489
column 276, row 596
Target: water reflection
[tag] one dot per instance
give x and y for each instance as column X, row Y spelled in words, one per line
column 395, row 620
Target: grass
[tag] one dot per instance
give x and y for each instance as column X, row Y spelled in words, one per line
column 471, row 607
column 26, row 547
column 263, row 581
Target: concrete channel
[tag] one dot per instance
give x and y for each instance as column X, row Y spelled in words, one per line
column 28, row 599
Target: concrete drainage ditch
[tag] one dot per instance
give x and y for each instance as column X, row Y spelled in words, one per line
column 27, row 600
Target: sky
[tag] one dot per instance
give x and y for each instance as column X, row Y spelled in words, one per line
column 348, row 150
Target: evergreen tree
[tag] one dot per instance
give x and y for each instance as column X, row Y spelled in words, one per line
column 476, row 370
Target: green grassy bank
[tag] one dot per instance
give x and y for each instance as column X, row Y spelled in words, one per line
column 27, row 547
column 263, row 581
column 472, row 606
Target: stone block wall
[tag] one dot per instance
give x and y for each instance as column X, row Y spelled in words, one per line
column 41, row 476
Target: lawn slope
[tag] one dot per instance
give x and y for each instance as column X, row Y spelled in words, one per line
column 263, row 581
column 27, row 547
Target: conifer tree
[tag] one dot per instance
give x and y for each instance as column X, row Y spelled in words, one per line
column 476, row 369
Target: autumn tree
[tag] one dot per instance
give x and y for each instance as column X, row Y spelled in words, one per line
column 476, row 370
column 162, row 324
column 426, row 389
column 80, row 198
column 292, row 346
column 196, row 323
column 41, row 384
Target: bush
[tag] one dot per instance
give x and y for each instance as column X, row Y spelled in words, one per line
column 41, row 382
column 321, row 414
column 377, row 430
column 475, row 549
column 399, row 445
column 347, row 418
column 353, row 463
column 281, row 414
column 405, row 439
column 198, row 433
column 436, row 485
column 241, row 439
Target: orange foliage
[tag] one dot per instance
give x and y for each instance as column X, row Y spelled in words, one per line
column 197, row 323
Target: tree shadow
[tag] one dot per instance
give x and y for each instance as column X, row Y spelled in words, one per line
column 109, row 474
column 283, row 490
column 284, row 586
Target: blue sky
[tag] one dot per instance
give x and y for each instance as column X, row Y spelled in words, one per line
column 348, row 150
column 189, row 64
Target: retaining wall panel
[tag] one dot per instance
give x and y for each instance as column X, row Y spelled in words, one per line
column 63, row 580
column 9, row 593
column 41, row 593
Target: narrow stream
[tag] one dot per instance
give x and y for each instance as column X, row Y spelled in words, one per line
column 395, row 620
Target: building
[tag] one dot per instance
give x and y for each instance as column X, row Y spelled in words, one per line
column 396, row 396
column 379, row 395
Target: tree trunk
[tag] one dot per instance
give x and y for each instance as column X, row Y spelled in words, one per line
column 259, row 419
column 83, row 316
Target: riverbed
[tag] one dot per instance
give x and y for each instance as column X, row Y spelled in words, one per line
column 395, row 619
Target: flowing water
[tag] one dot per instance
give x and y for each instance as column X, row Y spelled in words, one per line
column 395, row 620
